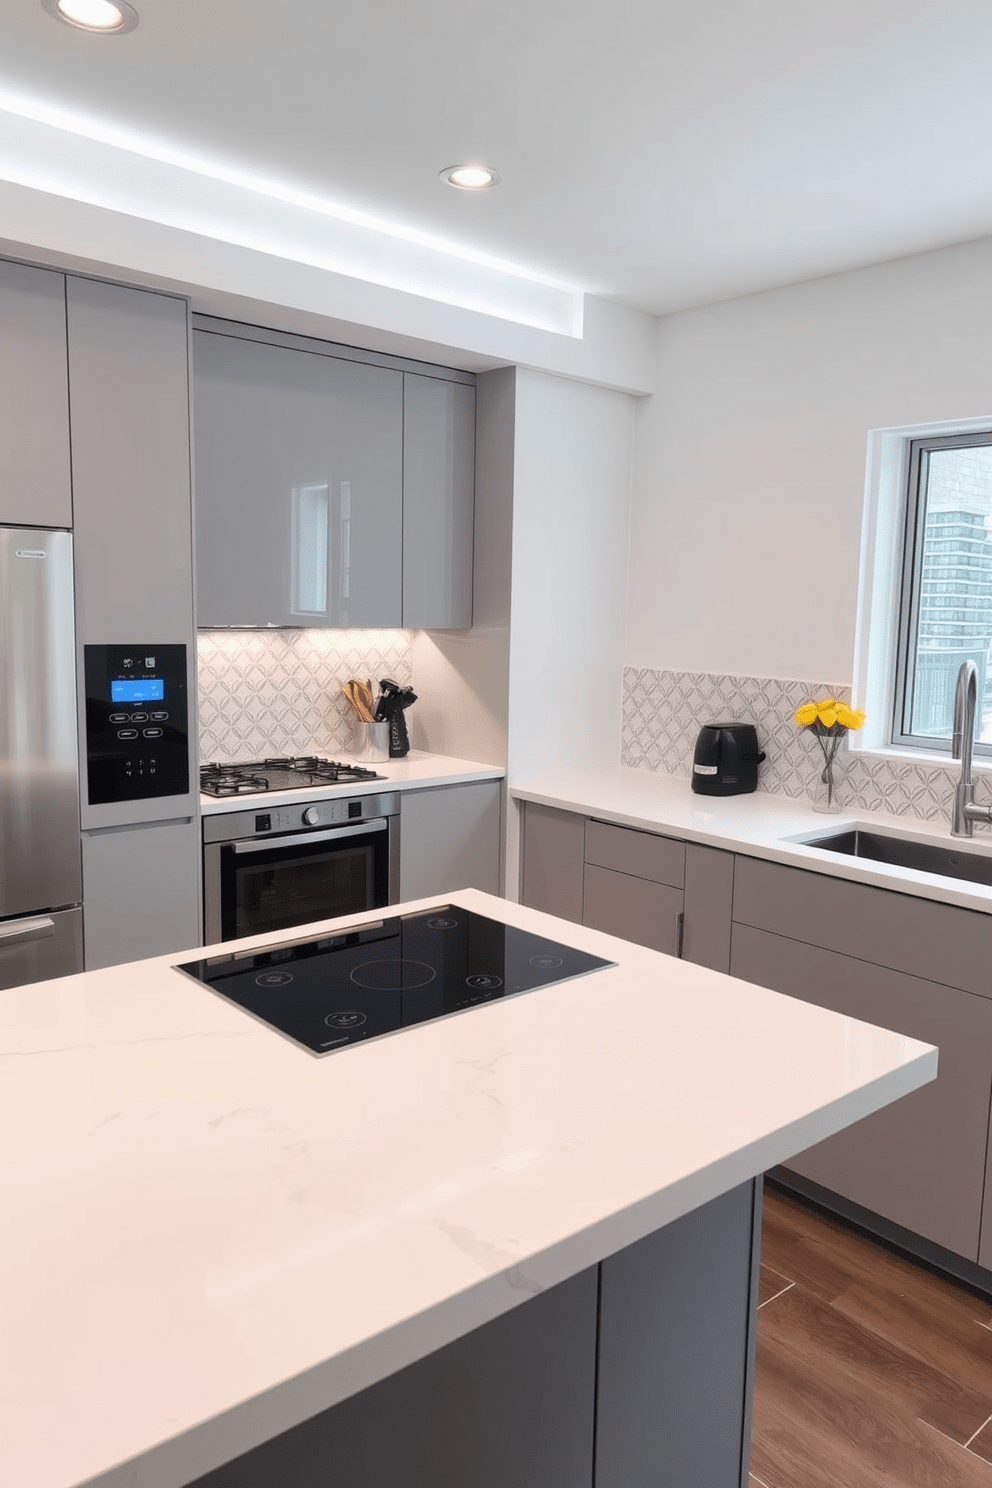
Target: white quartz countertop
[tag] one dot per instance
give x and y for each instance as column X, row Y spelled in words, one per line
column 210, row 1235
column 416, row 771
column 760, row 824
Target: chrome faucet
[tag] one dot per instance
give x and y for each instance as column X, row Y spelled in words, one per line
column 964, row 812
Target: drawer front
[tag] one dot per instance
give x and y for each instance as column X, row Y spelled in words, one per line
column 645, row 855
column 938, row 942
column 634, row 909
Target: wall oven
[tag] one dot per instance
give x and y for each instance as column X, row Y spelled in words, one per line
column 269, row 868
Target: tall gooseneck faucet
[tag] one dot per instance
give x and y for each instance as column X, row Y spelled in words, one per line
column 964, row 812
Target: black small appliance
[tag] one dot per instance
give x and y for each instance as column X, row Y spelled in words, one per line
column 726, row 759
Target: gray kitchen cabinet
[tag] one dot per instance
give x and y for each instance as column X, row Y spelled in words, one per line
column 128, row 353
column 438, row 502
column 633, row 885
column 299, row 486
column 553, row 863
column 142, row 892
column 709, row 893
column 450, row 839
column 920, row 1162
column 635, row 909
column 35, row 485
column 629, row 882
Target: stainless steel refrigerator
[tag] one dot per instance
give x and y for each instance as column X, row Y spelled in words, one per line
column 41, row 918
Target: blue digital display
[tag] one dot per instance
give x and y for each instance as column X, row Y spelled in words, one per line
column 138, row 690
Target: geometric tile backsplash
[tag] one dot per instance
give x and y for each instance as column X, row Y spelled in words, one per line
column 663, row 712
column 269, row 692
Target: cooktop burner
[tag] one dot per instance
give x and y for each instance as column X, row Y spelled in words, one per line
column 342, row 989
column 290, row 773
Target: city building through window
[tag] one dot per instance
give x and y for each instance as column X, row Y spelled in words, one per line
column 946, row 599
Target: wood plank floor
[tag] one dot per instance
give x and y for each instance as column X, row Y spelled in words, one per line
column 871, row 1370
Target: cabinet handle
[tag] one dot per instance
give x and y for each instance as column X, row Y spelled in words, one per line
column 679, row 931
column 305, row 839
column 18, row 931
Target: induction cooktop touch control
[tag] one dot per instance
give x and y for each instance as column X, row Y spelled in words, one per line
column 357, row 984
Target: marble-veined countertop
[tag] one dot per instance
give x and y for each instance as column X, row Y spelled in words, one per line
column 209, row 1235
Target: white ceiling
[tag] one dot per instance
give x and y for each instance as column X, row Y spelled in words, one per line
column 662, row 153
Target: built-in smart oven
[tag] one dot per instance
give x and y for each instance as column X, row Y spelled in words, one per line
column 269, row 868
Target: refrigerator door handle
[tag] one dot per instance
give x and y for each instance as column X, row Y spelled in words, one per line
column 39, row 927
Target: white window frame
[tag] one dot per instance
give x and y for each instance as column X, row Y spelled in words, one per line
column 880, row 586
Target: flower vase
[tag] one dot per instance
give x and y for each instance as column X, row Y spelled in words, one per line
column 829, row 781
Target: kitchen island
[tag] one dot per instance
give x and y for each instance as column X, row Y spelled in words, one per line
column 219, row 1249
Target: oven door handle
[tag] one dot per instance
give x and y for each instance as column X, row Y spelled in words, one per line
column 303, row 839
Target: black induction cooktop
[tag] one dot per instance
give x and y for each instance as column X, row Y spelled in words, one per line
column 358, row 984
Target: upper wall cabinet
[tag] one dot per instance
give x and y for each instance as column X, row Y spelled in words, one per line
column 438, row 502
column 330, row 491
column 299, row 487
column 35, row 488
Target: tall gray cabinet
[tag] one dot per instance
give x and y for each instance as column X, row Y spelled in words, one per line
column 128, row 362
column 35, row 484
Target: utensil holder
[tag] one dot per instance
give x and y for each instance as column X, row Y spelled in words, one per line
column 371, row 745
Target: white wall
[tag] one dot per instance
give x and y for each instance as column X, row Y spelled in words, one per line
column 462, row 676
column 750, row 457
column 572, row 472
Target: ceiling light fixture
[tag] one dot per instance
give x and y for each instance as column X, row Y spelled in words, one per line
column 470, row 177
column 105, row 17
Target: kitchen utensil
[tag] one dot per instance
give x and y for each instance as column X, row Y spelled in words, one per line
column 359, row 698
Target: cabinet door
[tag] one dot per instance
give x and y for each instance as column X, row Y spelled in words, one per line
column 438, row 502
column 921, row 1161
column 141, row 892
column 299, row 468
column 35, row 489
column 552, row 876
column 449, row 839
column 133, row 539
column 649, row 914
column 709, row 892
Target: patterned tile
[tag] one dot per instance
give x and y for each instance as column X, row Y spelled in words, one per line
column 265, row 692
column 663, row 712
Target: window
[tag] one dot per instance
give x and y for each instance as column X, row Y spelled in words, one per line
column 946, row 596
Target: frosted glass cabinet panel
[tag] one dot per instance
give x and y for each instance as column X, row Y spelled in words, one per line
column 299, row 486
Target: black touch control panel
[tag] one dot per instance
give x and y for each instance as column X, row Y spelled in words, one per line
column 137, row 722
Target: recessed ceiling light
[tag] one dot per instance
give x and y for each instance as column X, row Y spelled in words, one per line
column 111, row 17
column 470, row 177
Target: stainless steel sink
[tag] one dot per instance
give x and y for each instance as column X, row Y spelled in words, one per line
column 927, row 857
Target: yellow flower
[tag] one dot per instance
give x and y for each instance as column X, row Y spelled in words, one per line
column 851, row 718
column 806, row 714
column 828, row 715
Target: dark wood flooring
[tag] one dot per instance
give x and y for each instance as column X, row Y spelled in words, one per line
column 871, row 1370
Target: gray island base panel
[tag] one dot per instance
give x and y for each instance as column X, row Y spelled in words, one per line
column 634, row 1373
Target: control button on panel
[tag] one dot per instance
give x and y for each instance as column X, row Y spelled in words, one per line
column 127, row 733
column 119, row 717
column 153, row 733
column 312, row 816
column 158, row 717
column 263, row 823
column 354, row 808
column 139, row 717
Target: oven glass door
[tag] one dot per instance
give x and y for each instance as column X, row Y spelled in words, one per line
column 265, row 889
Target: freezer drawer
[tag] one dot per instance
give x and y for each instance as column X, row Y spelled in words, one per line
column 36, row 947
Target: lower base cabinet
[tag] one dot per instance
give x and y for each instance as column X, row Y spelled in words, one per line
column 904, row 963
column 449, row 839
column 637, row 1371
column 141, row 892
column 920, row 1162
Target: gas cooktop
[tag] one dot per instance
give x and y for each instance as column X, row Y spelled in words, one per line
column 284, row 773
column 389, row 974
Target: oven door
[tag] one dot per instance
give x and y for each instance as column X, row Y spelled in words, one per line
column 264, row 884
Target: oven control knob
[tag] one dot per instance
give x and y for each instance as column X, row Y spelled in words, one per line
column 312, row 816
